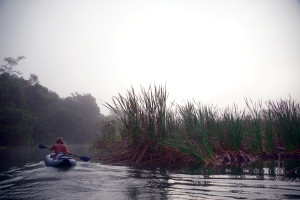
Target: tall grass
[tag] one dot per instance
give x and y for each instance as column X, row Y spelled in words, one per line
column 254, row 126
column 232, row 124
column 269, row 130
column 194, row 138
column 154, row 113
column 127, row 108
column 146, row 122
column 143, row 117
column 107, row 134
column 154, row 129
column 286, row 117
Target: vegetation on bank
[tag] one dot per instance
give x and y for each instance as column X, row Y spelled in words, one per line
column 147, row 129
column 31, row 114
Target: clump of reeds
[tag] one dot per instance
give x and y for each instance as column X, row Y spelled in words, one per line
column 144, row 117
column 254, row 126
column 146, row 123
column 192, row 136
column 285, row 116
column 232, row 125
column 268, row 128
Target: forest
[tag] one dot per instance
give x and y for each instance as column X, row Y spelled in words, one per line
column 31, row 113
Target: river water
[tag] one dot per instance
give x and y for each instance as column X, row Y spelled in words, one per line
column 23, row 175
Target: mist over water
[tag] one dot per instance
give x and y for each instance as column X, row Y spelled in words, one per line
column 92, row 180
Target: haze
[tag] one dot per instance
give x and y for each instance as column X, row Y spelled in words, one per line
column 216, row 52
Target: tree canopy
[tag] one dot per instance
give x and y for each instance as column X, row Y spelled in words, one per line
column 31, row 113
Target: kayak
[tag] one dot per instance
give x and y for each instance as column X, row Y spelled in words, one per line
column 60, row 160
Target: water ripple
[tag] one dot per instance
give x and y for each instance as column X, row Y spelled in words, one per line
column 98, row 181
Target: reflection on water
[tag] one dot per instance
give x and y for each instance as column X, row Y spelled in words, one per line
column 262, row 180
column 260, row 170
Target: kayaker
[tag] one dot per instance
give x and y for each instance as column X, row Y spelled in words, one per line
column 60, row 147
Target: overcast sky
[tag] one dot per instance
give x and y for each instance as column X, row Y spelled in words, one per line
column 215, row 51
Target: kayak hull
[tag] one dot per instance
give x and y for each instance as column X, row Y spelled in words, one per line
column 62, row 161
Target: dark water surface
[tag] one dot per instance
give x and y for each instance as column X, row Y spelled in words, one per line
column 23, row 175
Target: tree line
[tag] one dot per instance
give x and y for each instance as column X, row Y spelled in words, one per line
column 31, row 113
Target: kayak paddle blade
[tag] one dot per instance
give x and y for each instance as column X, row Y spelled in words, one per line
column 41, row 146
column 85, row 159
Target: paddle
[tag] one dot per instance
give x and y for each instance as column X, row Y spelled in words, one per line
column 83, row 158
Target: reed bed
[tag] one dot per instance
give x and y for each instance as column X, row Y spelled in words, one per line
column 285, row 115
column 153, row 130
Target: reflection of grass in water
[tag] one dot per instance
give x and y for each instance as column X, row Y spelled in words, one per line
column 291, row 169
column 259, row 170
column 150, row 130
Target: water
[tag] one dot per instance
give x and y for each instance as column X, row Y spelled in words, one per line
column 31, row 179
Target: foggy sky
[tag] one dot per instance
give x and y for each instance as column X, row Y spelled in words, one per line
column 216, row 52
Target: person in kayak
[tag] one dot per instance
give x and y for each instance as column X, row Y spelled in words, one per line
column 60, row 147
